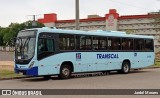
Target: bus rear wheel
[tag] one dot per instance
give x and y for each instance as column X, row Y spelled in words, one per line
column 65, row 72
column 125, row 68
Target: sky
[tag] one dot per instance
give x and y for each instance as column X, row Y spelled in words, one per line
column 18, row 11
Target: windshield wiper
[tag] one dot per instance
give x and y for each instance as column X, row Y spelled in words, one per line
column 23, row 47
column 26, row 42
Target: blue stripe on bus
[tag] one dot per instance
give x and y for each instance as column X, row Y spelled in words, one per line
column 16, row 69
column 32, row 71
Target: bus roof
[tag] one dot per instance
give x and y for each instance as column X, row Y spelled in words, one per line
column 94, row 32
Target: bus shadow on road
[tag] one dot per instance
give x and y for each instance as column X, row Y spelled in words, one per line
column 100, row 74
column 37, row 79
column 139, row 71
column 83, row 75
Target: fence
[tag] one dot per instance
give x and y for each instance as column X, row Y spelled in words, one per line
column 7, row 48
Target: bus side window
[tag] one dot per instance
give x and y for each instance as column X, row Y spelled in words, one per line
column 116, row 43
column 95, row 43
column 103, row 44
column 149, row 45
column 45, row 47
column 83, row 43
column 127, row 44
column 50, row 45
column 139, row 44
column 66, row 42
column 109, row 41
column 42, row 46
column 99, row 43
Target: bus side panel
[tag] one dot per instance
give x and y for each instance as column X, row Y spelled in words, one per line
column 98, row 61
column 112, row 60
column 143, row 59
column 94, row 61
column 47, row 67
column 107, row 61
column 51, row 65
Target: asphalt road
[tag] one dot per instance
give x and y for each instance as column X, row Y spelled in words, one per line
column 142, row 79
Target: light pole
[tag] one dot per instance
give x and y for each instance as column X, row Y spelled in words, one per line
column 77, row 14
column 34, row 24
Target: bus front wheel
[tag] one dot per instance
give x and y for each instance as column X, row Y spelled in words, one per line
column 65, row 72
column 125, row 68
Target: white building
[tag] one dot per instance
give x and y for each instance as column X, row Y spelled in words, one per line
column 136, row 24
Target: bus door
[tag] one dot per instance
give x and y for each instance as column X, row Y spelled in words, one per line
column 139, row 56
column 91, row 61
column 45, row 54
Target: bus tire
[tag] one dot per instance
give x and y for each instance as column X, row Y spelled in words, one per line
column 65, row 72
column 125, row 68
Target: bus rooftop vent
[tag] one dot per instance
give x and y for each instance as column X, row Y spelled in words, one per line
column 53, row 27
column 49, row 27
column 119, row 32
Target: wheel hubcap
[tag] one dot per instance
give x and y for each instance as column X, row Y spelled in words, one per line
column 65, row 71
column 126, row 68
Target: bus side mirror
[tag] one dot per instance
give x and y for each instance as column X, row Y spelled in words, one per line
column 14, row 40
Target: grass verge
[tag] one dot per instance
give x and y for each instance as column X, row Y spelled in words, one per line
column 4, row 73
column 157, row 63
column 8, row 73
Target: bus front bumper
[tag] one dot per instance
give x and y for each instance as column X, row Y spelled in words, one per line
column 30, row 71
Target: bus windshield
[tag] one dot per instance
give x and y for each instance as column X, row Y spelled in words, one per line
column 25, row 46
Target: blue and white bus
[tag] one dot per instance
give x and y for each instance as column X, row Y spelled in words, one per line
column 50, row 51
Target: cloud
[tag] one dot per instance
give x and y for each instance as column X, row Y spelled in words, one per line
column 17, row 10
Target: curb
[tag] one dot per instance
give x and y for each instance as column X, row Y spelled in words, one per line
column 32, row 76
column 151, row 67
column 11, row 78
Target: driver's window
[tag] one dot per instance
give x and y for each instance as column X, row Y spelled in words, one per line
column 50, row 45
column 42, row 46
column 45, row 47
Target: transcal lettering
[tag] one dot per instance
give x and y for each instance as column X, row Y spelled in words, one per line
column 107, row 56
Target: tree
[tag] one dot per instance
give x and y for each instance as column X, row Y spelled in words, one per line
column 1, row 36
column 10, row 32
column 33, row 24
column 6, row 36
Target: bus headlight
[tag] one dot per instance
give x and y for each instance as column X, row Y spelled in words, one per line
column 31, row 65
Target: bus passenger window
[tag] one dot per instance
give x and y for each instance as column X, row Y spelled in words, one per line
column 95, row 43
column 66, row 42
column 127, row 44
column 83, row 43
column 103, row 44
column 99, row 43
column 114, row 43
column 139, row 44
column 45, row 47
column 50, row 45
column 149, row 45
